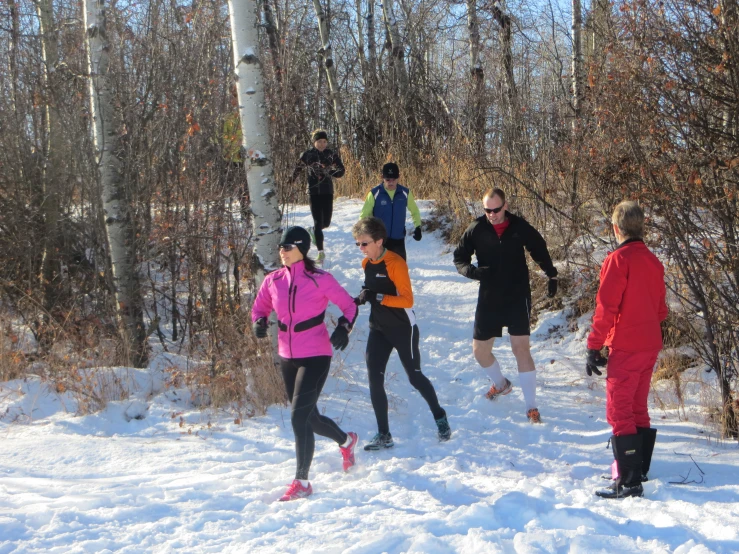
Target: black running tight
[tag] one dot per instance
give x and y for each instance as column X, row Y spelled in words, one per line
column 304, row 378
column 321, row 208
column 379, row 347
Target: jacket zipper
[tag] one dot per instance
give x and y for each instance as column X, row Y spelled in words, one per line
column 290, row 300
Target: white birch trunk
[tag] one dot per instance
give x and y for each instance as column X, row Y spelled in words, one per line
column 333, row 81
column 119, row 225
column 371, row 42
column 264, row 208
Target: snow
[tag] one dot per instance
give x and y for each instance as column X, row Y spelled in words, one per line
column 152, row 473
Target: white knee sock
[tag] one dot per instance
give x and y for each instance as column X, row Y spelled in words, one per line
column 304, row 482
column 528, row 386
column 348, row 441
column 496, row 375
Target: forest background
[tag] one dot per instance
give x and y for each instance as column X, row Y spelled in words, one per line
column 149, row 234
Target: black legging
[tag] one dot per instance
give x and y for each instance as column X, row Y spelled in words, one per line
column 397, row 246
column 321, row 208
column 304, row 378
column 379, row 347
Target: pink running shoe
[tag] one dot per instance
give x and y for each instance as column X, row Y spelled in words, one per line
column 296, row 490
column 348, row 452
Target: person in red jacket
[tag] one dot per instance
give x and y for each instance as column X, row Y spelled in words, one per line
column 629, row 309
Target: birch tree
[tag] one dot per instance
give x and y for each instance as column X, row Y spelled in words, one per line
column 119, row 224
column 328, row 63
column 264, row 210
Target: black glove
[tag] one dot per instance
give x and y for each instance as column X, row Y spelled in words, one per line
column 552, row 287
column 340, row 336
column 367, row 295
column 260, row 328
column 482, row 273
column 417, row 233
column 594, row 361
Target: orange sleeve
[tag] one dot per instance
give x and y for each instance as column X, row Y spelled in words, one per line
column 364, row 262
column 397, row 272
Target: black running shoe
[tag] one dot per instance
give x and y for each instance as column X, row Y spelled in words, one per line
column 445, row 432
column 380, row 441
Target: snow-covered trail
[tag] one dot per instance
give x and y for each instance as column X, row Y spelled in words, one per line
column 101, row 483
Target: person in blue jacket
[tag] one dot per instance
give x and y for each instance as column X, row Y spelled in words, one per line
column 389, row 202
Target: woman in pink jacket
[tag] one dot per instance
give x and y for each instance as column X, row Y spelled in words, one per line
column 299, row 293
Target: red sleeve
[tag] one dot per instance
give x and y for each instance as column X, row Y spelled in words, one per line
column 613, row 278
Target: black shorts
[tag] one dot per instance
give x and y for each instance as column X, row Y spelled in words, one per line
column 489, row 321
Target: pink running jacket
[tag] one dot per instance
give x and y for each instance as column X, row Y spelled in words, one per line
column 300, row 299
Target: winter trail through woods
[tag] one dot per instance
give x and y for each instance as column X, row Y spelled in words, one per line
column 131, row 479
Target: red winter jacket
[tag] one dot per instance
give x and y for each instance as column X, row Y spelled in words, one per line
column 631, row 300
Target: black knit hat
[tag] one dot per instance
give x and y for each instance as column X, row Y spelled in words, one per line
column 390, row 171
column 319, row 134
column 297, row 236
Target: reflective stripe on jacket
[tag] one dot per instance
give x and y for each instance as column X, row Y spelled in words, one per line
column 300, row 299
column 391, row 210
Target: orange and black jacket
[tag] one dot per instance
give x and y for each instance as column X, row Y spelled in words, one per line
column 389, row 276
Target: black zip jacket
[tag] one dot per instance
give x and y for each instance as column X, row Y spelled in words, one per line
column 501, row 261
column 321, row 167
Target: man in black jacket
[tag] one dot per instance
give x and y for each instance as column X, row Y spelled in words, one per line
column 320, row 164
column 498, row 239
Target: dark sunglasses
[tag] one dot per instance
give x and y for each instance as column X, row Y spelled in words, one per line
column 493, row 210
column 362, row 243
column 287, row 247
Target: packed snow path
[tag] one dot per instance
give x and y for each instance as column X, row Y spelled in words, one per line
column 111, row 482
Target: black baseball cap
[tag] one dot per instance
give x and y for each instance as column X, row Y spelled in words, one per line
column 390, row 171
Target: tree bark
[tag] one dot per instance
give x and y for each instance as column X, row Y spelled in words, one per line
column 50, row 273
column 333, row 81
column 516, row 137
column 119, row 224
column 264, row 209
column 397, row 53
column 477, row 102
column 371, row 42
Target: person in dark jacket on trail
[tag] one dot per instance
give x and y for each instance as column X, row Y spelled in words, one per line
column 388, row 201
column 629, row 309
column 499, row 239
column 321, row 165
column 392, row 323
column 299, row 293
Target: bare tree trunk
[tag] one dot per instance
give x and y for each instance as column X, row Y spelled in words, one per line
column 371, row 42
column 333, row 81
column 13, row 53
column 397, row 55
column 264, row 208
column 477, row 103
column 273, row 36
column 50, row 273
column 516, row 137
column 577, row 92
column 119, row 224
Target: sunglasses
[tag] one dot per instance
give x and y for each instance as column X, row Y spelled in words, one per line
column 287, row 247
column 493, row 210
column 363, row 243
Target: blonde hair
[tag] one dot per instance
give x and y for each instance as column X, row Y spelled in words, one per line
column 494, row 192
column 629, row 217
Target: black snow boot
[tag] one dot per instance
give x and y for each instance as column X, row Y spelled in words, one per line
column 648, row 436
column 627, row 450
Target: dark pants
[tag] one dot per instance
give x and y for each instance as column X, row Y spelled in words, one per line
column 379, row 347
column 397, row 246
column 321, row 208
column 304, row 378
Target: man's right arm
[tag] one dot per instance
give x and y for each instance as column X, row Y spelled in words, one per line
column 463, row 254
column 369, row 206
